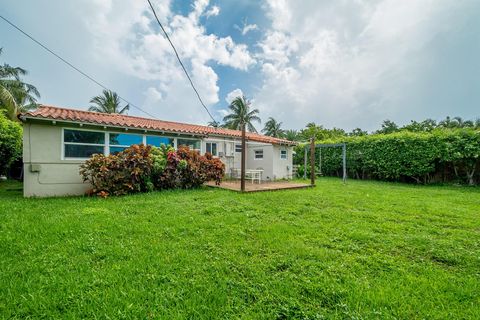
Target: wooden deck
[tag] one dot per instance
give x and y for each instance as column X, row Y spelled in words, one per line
column 256, row 187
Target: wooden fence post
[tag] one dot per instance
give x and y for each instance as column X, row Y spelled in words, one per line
column 344, row 158
column 242, row 169
column 312, row 161
column 305, row 164
column 320, row 161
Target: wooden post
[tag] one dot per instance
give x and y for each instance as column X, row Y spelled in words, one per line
column 344, row 157
column 305, row 164
column 320, row 161
column 242, row 169
column 312, row 161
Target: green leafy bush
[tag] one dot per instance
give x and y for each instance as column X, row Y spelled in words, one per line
column 126, row 172
column 143, row 168
column 437, row 156
column 10, row 143
column 195, row 169
column 188, row 169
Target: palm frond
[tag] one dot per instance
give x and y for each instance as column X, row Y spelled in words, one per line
column 251, row 128
column 95, row 109
column 124, row 109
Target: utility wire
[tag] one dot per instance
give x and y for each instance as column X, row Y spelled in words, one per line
column 71, row 65
column 180, row 61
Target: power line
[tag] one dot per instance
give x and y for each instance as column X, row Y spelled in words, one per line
column 180, row 61
column 71, row 65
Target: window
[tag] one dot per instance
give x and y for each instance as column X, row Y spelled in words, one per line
column 283, row 154
column 121, row 141
column 157, row 141
column 212, row 148
column 259, row 154
column 192, row 144
column 82, row 144
column 238, row 148
column 125, row 139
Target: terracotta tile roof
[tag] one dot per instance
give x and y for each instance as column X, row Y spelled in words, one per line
column 80, row 116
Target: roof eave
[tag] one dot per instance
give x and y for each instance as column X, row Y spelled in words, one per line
column 25, row 116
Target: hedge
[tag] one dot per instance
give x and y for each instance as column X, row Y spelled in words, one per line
column 438, row 156
column 10, row 143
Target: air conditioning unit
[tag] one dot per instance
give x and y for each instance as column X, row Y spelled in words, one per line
column 221, row 154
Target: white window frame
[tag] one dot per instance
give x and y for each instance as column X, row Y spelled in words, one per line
column 182, row 138
column 255, row 154
column 211, row 148
column 104, row 145
column 281, row 154
column 236, row 144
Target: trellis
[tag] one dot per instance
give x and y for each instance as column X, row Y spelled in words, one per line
column 320, row 146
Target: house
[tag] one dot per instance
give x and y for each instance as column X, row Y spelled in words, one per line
column 56, row 141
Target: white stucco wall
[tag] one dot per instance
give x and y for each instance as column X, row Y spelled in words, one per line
column 282, row 168
column 42, row 147
column 225, row 151
column 266, row 163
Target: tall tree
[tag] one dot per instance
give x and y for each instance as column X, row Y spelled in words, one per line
column 273, row 128
column 357, row 132
column 448, row 123
column 424, row 126
column 240, row 113
column 388, row 127
column 15, row 95
column 108, row 102
column 318, row 132
column 292, row 135
column 464, row 123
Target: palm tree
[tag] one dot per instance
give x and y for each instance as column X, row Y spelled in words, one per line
column 273, row 128
column 109, row 102
column 241, row 114
column 15, row 95
column 214, row 124
column 291, row 135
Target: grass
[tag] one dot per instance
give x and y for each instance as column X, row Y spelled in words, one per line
column 365, row 250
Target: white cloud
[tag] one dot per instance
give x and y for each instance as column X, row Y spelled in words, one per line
column 343, row 63
column 126, row 38
column 233, row 94
column 214, row 11
column 277, row 47
column 249, row 27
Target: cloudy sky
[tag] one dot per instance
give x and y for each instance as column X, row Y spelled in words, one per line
column 343, row 63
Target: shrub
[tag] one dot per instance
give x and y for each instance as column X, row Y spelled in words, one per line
column 126, row 172
column 143, row 168
column 10, row 143
column 214, row 167
column 164, row 173
column 195, row 169
column 187, row 169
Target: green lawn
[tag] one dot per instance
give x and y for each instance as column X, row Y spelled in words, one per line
column 362, row 250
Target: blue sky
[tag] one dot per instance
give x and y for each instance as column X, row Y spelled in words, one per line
column 338, row 63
